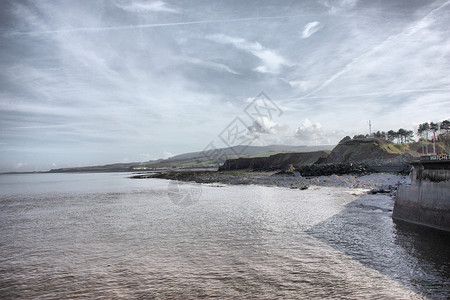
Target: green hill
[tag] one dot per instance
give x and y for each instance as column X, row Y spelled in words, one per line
column 365, row 149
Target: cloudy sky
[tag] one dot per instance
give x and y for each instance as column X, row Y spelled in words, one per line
column 86, row 82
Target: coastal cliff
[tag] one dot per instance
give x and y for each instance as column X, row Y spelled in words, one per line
column 353, row 156
column 274, row 162
column 360, row 150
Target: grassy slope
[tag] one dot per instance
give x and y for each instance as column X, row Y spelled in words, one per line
column 264, row 154
column 363, row 149
column 415, row 148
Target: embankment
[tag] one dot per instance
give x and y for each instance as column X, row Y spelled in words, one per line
column 274, row 162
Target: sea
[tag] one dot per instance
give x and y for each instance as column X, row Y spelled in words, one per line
column 106, row 236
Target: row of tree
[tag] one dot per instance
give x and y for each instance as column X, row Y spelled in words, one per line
column 434, row 127
column 401, row 135
column 424, row 129
column 404, row 136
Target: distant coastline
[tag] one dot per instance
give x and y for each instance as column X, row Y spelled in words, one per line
column 33, row 172
column 359, row 155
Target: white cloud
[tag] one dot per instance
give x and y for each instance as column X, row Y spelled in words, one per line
column 298, row 84
column 144, row 6
column 310, row 133
column 272, row 62
column 264, row 125
column 336, row 6
column 167, row 155
column 211, row 65
column 310, row 29
column 265, row 131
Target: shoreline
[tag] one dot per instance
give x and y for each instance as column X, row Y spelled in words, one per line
column 374, row 182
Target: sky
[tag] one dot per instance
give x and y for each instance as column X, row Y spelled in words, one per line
column 89, row 82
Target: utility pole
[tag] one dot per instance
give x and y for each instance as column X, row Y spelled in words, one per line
column 370, row 129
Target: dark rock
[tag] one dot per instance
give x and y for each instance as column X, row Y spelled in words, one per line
column 273, row 162
column 338, row 169
column 379, row 191
column 289, row 170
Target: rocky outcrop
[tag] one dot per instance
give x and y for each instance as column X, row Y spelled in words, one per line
column 338, row 169
column 274, row 162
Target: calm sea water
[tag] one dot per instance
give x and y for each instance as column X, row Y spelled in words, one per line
column 107, row 236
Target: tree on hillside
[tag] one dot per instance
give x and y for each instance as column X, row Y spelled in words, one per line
column 392, row 135
column 401, row 133
column 434, row 127
column 359, row 136
column 344, row 139
column 380, row 134
column 426, row 129
column 409, row 136
column 445, row 125
column 421, row 132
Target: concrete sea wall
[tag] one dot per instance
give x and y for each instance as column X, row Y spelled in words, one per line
column 426, row 201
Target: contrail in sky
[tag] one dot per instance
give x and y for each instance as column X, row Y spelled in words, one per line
column 409, row 31
column 368, row 94
column 143, row 26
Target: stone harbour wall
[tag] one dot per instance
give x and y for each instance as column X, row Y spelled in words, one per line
column 426, row 201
